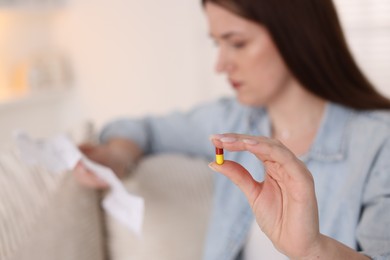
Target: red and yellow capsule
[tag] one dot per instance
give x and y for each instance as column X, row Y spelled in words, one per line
column 219, row 155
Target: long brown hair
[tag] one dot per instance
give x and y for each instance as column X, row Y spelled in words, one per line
column 309, row 37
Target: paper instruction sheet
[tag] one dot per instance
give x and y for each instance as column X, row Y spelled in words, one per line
column 60, row 154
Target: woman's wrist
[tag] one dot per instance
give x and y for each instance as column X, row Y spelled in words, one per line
column 328, row 248
column 123, row 155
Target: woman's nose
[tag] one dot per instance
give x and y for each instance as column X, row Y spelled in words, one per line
column 223, row 64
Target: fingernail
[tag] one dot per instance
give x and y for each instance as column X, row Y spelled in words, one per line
column 211, row 166
column 216, row 136
column 228, row 139
column 250, row 141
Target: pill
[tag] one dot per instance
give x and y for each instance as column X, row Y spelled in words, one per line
column 219, row 155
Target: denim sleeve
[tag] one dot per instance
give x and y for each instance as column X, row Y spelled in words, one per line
column 178, row 132
column 373, row 233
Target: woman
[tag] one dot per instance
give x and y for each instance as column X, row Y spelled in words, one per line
column 306, row 112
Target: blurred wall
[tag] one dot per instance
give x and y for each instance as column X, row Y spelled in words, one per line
column 129, row 58
column 25, row 33
column 367, row 29
column 138, row 57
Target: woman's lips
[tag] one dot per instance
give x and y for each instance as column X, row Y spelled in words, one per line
column 235, row 84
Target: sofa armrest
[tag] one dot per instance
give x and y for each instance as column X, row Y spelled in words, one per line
column 45, row 215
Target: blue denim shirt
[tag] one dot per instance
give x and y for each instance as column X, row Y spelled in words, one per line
column 349, row 159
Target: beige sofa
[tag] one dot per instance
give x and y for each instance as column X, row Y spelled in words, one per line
column 50, row 216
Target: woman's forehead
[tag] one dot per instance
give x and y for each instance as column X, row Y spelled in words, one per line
column 224, row 23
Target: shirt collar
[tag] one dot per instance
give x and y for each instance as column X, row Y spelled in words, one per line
column 330, row 141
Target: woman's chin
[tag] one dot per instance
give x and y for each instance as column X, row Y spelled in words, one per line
column 249, row 101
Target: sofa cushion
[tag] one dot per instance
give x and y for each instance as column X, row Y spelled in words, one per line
column 177, row 190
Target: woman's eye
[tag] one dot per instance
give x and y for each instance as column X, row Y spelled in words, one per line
column 239, row 45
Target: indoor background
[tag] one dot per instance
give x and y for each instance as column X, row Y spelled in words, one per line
column 66, row 62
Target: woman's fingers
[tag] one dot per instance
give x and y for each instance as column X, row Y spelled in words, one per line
column 96, row 153
column 239, row 176
column 87, row 178
column 269, row 151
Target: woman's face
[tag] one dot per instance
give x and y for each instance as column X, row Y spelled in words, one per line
column 248, row 56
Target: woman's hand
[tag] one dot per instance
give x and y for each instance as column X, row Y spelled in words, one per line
column 97, row 153
column 284, row 204
column 117, row 154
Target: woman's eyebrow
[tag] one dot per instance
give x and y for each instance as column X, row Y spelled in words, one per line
column 225, row 36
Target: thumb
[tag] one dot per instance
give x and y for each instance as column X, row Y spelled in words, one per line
column 240, row 177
